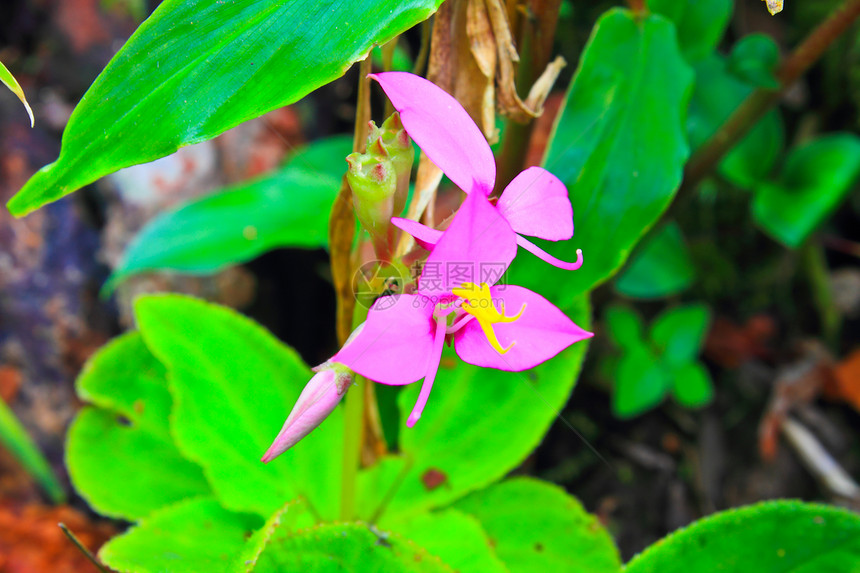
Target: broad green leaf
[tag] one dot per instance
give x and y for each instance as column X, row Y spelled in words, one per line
column 754, row 59
column 623, row 326
column 691, row 385
column 629, row 93
column 814, row 181
column 15, row 438
column 288, row 208
column 10, row 82
column 640, row 383
column 234, row 385
column 717, row 94
column 455, row 537
column 700, row 24
column 196, row 68
column 478, row 425
column 662, row 267
column 678, row 334
column 775, row 536
column 536, row 526
column 339, row 547
column 293, row 515
column 189, row 537
column 119, row 452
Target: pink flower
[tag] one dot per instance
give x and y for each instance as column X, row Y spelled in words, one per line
column 318, row 399
column 504, row 327
column 535, row 203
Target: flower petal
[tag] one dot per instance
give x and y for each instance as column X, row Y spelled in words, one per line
column 544, row 256
column 430, row 376
column 425, row 236
column 395, row 343
column 442, row 129
column 539, row 334
column 478, row 246
column 536, row 204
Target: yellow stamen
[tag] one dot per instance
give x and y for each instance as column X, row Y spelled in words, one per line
column 479, row 303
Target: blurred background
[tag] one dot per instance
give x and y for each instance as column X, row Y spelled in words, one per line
column 778, row 327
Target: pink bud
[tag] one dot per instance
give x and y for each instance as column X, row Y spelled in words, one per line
column 319, row 398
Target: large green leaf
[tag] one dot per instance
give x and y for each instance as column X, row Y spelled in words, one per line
column 777, row 537
column 120, row 454
column 288, row 208
column 338, row 547
column 189, row 537
column 662, row 266
column 536, row 526
column 196, row 68
column 618, row 145
column 454, row 537
column 478, row 425
column 815, row 179
column 700, row 24
column 718, row 93
column 234, row 385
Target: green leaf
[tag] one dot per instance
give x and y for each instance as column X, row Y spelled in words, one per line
column 478, row 425
column 814, row 181
column 293, row 515
column 678, row 334
column 339, row 547
column 640, row 383
column 629, row 93
column 455, row 537
column 623, row 326
column 700, row 25
column 692, row 385
column 536, row 526
column 189, row 537
column 662, row 267
column 776, row 536
column 288, row 208
column 16, row 439
column 234, row 385
column 716, row 96
column 196, row 68
column 754, row 59
column 120, row 454
column 10, row 82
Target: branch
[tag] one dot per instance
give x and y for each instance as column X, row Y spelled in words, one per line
column 761, row 100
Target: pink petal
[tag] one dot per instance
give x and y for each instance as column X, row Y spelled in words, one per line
column 430, row 376
column 318, row 399
column 536, row 204
column 478, row 246
column 395, row 343
column 425, row 236
column 540, row 333
column 442, row 129
column 544, row 256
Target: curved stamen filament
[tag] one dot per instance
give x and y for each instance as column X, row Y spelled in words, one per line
column 478, row 302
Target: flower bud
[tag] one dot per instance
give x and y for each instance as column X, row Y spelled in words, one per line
column 379, row 179
column 319, row 398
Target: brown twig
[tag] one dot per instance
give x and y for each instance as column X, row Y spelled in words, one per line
column 760, row 101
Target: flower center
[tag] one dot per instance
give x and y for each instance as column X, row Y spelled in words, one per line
column 478, row 302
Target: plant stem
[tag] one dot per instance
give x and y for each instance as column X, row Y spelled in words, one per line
column 535, row 39
column 761, row 100
column 352, row 440
column 818, row 273
column 77, row 542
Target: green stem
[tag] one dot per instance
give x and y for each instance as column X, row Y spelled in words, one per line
column 352, row 430
column 815, row 264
